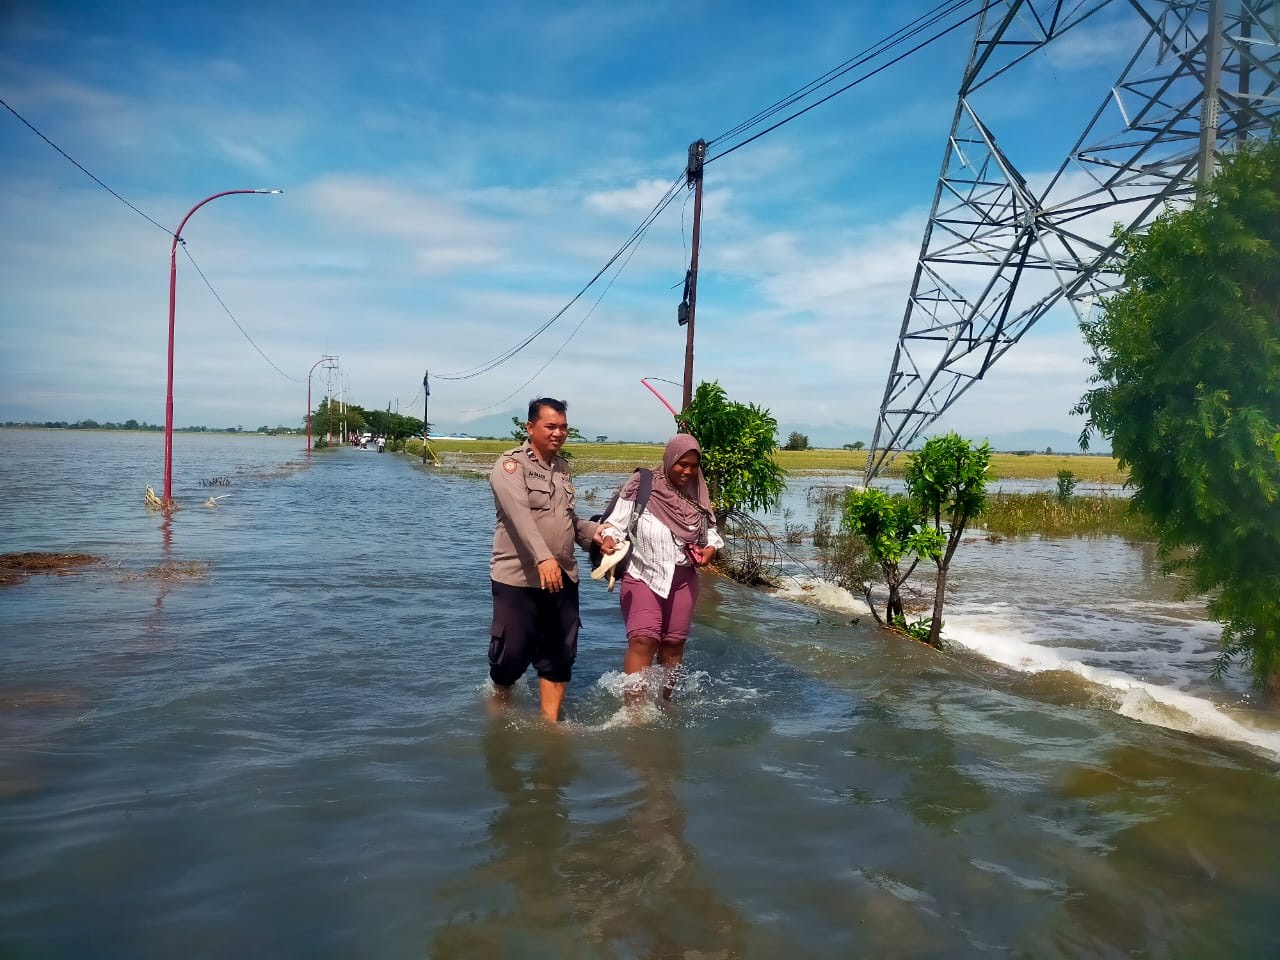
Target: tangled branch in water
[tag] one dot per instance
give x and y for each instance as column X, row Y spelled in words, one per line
column 751, row 555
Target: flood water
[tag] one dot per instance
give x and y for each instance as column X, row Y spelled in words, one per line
column 260, row 730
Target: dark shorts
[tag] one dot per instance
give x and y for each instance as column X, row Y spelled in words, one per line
column 533, row 626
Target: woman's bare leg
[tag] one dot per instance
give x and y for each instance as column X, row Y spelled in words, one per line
column 670, row 656
column 638, row 658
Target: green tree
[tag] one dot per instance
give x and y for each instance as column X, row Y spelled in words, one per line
column 947, row 482
column 797, row 441
column 394, row 426
column 329, row 417
column 856, row 445
column 1066, row 485
column 891, row 526
column 1187, row 389
column 738, row 441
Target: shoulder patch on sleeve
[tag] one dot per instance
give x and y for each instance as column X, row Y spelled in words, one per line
column 509, row 465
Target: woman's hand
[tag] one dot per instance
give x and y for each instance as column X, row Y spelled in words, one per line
column 605, row 540
column 701, row 556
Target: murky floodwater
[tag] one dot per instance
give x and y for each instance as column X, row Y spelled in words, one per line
column 259, row 730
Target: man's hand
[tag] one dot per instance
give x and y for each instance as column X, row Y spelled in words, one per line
column 607, row 544
column 701, row 556
column 550, row 574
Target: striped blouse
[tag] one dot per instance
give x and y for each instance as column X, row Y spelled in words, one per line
column 655, row 551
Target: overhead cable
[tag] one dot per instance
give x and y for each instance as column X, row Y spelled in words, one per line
column 83, row 170
column 573, row 333
column 167, row 231
column 650, row 217
column 232, row 315
column 862, row 59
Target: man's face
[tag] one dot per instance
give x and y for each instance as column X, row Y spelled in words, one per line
column 547, row 433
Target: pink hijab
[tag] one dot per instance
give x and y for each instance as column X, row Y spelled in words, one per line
column 686, row 511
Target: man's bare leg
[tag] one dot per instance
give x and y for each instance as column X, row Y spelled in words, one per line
column 500, row 698
column 670, row 656
column 552, row 695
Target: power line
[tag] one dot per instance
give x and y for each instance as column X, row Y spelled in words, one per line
column 167, row 231
column 659, row 207
column 82, row 169
column 876, row 50
column 857, row 59
column 232, row 315
column 573, row 333
column 933, row 17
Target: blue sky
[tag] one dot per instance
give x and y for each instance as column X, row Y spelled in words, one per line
column 453, row 174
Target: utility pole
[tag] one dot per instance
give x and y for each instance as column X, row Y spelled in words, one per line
column 328, row 399
column 309, row 372
column 426, row 400
column 688, row 306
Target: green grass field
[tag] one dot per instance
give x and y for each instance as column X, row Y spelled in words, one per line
column 621, row 457
column 1020, row 514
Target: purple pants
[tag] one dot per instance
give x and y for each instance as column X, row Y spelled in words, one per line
column 648, row 615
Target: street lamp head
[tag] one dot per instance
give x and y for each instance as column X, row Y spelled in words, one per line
column 265, row 190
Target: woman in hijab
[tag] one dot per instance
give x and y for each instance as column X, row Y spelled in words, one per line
column 675, row 534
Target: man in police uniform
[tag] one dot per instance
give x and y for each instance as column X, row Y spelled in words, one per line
column 534, row 572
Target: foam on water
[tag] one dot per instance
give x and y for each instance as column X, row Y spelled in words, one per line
column 692, row 687
column 821, row 593
column 1129, row 696
column 992, row 631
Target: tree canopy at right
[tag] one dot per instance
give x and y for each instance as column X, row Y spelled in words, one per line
column 1187, row 389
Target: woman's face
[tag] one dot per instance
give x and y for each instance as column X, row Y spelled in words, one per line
column 684, row 469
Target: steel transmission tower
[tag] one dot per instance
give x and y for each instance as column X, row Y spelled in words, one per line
column 1003, row 248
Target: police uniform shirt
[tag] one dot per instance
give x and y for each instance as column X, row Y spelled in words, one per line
column 536, row 519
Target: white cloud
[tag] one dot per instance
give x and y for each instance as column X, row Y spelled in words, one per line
column 639, row 198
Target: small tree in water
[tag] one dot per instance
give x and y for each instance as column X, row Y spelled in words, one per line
column 738, row 442
column 947, row 481
column 895, row 535
column 1066, row 485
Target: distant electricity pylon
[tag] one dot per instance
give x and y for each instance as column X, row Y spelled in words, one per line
column 1004, row 246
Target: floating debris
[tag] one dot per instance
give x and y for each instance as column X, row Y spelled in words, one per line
column 16, row 567
column 174, row 572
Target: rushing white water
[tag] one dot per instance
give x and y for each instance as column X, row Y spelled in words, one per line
column 1147, row 682
column 998, row 639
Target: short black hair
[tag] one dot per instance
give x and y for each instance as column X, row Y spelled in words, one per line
column 535, row 407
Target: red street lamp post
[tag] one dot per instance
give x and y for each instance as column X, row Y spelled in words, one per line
column 309, row 373
column 173, row 289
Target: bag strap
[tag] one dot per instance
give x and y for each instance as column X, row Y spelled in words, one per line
column 642, row 497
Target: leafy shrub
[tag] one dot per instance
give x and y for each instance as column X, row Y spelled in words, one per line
column 1066, row 484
